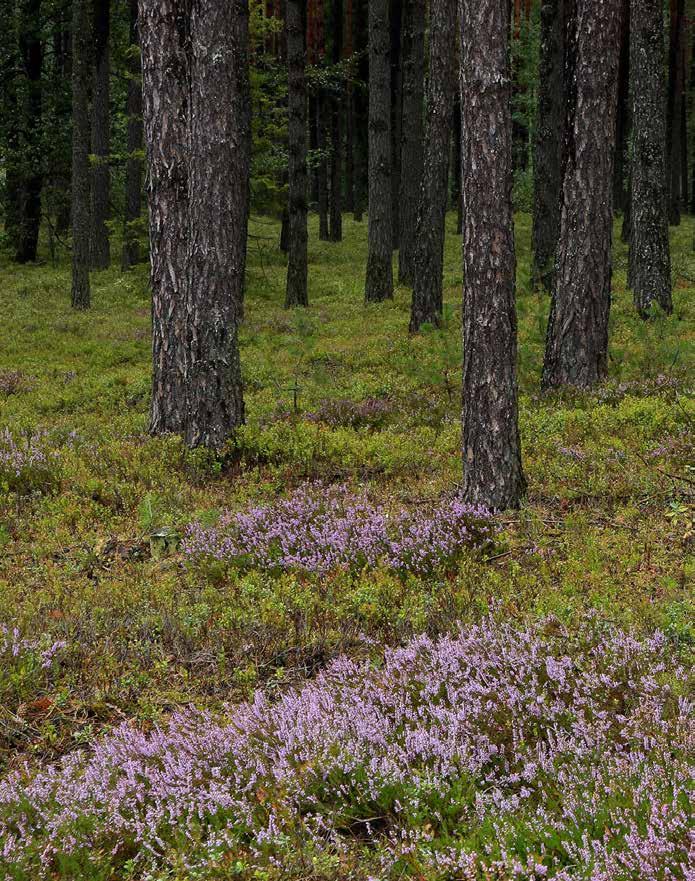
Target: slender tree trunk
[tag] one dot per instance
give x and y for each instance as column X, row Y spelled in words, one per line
column 548, row 164
column 285, row 231
column 396, row 19
column 649, row 247
column 379, row 281
column 81, row 39
column 165, row 45
column 361, row 107
column 9, row 129
column 336, row 110
column 322, row 111
column 133, row 168
column 218, row 206
column 492, row 472
column 100, row 248
column 297, row 271
column 412, row 133
column 673, row 110
column 32, row 160
column 349, row 113
column 427, row 302
column 576, row 351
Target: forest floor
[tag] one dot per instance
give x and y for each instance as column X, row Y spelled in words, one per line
column 90, row 527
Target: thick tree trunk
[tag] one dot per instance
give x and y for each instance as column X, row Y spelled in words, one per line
column 81, row 44
column 32, row 177
column 133, row 168
column 622, row 125
column 413, row 66
column 456, row 159
column 165, row 47
column 650, row 256
column 576, row 351
column 427, row 302
column 396, row 20
column 100, row 249
column 379, row 281
column 218, row 206
column 548, row 165
column 297, row 269
column 673, row 110
column 492, row 472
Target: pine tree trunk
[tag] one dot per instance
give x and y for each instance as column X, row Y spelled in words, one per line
column 413, row 67
column 673, row 110
column 427, row 302
column 9, row 130
column 650, row 254
column 576, row 351
column 100, row 249
column 548, row 164
column 336, row 110
column 622, row 126
column 165, row 47
column 379, row 280
column 81, row 44
column 297, row 270
column 456, row 159
column 218, row 206
column 32, row 177
column 492, row 472
column 133, row 168
column 396, row 20
column 348, row 97
column 336, row 212
column 322, row 111
column 360, row 42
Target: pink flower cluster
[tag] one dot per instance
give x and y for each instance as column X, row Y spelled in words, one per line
column 498, row 751
column 17, row 457
column 321, row 529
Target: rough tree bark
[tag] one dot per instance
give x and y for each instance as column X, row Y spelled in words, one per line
column 673, row 109
column 622, row 123
column 547, row 178
column 396, row 21
column 100, row 249
column 442, row 85
column 336, row 111
column 218, row 209
column 456, row 191
column 413, row 65
column 492, row 472
column 379, row 280
column 650, row 261
column 165, row 47
column 576, row 352
column 81, row 38
column 133, row 168
column 31, row 55
column 296, row 293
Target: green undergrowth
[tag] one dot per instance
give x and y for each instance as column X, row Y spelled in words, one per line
column 89, row 541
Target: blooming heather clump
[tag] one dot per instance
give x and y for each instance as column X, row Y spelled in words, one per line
column 369, row 413
column 24, row 463
column 320, row 529
column 498, row 752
